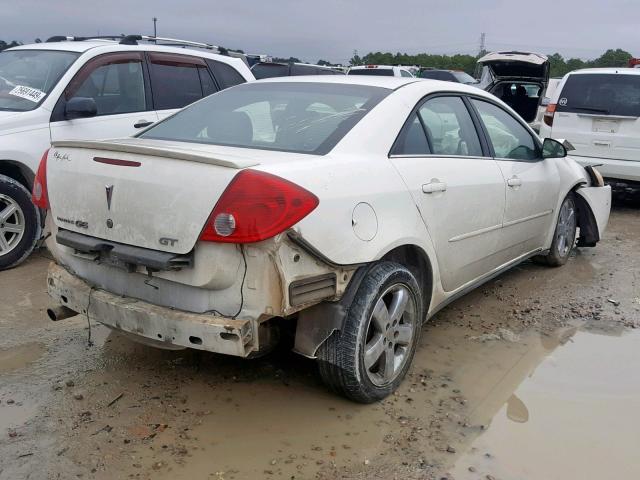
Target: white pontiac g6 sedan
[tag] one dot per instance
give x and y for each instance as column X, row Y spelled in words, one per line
column 357, row 206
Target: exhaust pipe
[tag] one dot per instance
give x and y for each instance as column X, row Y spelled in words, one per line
column 60, row 313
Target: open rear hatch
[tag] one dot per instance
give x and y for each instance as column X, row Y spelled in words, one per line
column 145, row 193
column 514, row 65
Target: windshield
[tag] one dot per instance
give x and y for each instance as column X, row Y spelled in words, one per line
column 601, row 93
column 289, row 116
column 463, row 77
column 382, row 72
column 27, row 76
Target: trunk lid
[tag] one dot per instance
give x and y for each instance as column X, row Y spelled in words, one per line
column 498, row 66
column 148, row 193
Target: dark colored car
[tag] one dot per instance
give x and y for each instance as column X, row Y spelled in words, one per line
column 448, row 76
column 274, row 69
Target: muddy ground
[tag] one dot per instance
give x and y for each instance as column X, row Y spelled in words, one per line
column 533, row 376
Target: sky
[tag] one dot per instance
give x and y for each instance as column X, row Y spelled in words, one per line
column 333, row 29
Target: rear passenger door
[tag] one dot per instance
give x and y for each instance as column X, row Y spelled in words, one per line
column 177, row 81
column 457, row 186
column 532, row 183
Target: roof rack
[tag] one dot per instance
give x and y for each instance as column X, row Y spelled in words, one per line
column 134, row 39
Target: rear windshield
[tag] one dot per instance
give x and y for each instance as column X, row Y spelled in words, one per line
column 28, row 76
column 601, row 93
column 437, row 75
column 463, row 77
column 290, row 117
column 381, row 72
column 269, row 70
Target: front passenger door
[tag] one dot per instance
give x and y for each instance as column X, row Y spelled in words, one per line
column 458, row 190
column 116, row 83
column 532, row 183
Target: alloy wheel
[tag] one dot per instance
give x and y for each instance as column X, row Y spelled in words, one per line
column 12, row 224
column 390, row 332
column 566, row 229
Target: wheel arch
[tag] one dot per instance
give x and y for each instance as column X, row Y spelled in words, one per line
column 17, row 171
column 316, row 324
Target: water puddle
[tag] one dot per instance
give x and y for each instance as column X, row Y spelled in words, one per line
column 575, row 415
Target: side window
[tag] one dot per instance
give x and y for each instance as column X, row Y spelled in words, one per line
column 226, row 75
column 175, row 80
column 208, row 85
column 115, row 82
column 412, row 139
column 509, row 138
column 404, row 73
column 449, row 127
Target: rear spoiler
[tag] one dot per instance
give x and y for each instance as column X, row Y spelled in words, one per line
column 129, row 146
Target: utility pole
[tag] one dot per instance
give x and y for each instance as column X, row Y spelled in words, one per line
column 483, row 48
column 155, row 31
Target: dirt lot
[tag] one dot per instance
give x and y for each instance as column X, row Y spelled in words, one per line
column 533, row 376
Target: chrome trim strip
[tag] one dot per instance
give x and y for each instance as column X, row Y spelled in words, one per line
column 475, row 233
column 526, row 219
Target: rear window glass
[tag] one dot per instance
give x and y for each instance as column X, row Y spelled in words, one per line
column 382, row 72
column 303, row 70
column 605, row 94
column 436, row 75
column 290, row 116
column 269, row 70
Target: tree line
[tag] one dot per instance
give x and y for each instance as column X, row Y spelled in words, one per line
column 559, row 65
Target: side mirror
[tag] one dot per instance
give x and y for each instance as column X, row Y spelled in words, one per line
column 553, row 149
column 80, row 107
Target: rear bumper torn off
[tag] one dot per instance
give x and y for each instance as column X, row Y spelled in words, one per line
column 174, row 328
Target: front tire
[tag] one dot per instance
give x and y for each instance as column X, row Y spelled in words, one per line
column 19, row 223
column 564, row 236
column 368, row 359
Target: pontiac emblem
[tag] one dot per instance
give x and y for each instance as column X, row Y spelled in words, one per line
column 109, row 189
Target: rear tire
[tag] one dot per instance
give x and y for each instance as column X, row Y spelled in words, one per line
column 19, row 223
column 564, row 235
column 368, row 359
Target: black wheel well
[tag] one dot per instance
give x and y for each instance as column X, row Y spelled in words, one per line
column 589, row 234
column 418, row 263
column 16, row 171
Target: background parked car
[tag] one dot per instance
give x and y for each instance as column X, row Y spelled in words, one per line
column 77, row 88
column 552, row 85
column 277, row 69
column 517, row 78
column 380, row 70
column 457, row 76
column 598, row 111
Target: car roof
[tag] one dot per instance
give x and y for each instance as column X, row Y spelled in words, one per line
column 608, row 70
column 67, row 46
column 364, row 67
column 391, row 83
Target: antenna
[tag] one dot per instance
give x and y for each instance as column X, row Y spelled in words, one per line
column 483, row 47
column 155, row 30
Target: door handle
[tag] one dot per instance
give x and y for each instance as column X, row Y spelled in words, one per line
column 434, row 186
column 514, row 182
column 141, row 124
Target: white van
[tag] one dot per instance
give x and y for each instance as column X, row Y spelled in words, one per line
column 598, row 111
column 381, row 71
column 84, row 89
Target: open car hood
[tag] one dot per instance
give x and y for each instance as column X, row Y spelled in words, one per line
column 516, row 65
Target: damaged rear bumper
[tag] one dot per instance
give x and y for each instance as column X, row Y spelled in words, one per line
column 149, row 322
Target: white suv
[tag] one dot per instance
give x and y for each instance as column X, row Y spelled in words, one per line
column 81, row 88
column 381, row 71
column 598, row 111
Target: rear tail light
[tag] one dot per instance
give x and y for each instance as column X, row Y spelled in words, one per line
column 548, row 115
column 39, row 195
column 256, row 206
